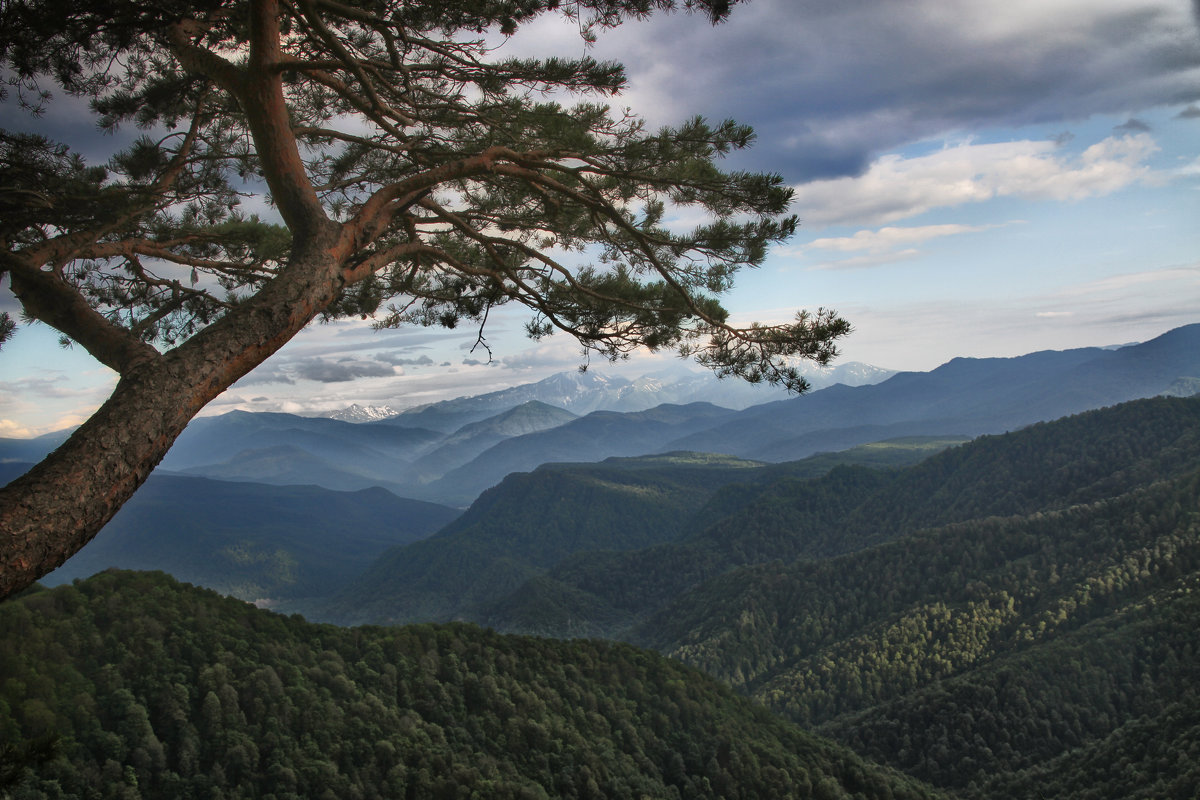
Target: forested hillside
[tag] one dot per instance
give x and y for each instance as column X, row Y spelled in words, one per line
column 1046, row 467
column 532, row 522
column 131, row 685
column 1010, row 617
column 1028, row 641
column 528, row 523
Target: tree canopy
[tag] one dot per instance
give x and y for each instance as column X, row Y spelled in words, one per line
column 419, row 175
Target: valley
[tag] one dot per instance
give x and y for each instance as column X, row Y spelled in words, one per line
column 999, row 600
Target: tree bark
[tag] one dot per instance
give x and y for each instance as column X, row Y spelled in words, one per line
column 56, row 508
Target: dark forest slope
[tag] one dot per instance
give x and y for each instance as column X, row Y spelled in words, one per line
column 1009, row 652
column 252, row 540
column 156, row 689
column 1046, row 467
column 528, row 523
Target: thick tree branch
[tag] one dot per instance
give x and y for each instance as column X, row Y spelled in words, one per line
column 155, row 399
column 48, row 297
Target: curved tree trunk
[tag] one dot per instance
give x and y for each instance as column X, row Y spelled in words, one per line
column 56, row 508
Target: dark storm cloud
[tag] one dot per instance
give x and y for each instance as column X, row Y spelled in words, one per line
column 1133, row 125
column 401, row 361
column 829, row 86
column 1191, row 112
column 318, row 369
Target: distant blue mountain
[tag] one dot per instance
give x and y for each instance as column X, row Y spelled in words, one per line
column 967, row 396
column 350, row 446
column 595, row 437
column 451, row 451
column 584, row 392
column 474, row 438
column 254, row 541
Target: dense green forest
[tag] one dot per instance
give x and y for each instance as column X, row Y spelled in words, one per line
column 1012, row 617
column 132, row 685
column 997, row 620
column 1040, row 469
column 532, row 522
column 997, row 656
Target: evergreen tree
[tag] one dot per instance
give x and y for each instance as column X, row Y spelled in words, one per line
column 418, row 179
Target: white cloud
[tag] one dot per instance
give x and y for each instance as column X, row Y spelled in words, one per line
column 15, row 430
column 555, row 353
column 895, row 188
column 1185, row 277
column 886, row 245
column 889, row 238
column 870, row 260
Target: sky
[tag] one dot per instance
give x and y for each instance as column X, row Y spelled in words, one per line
column 973, row 178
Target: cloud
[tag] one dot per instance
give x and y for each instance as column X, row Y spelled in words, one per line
column 830, row 86
column 1186, row 276
column 883, row 246
column 1132, row 125
column 1191, row 112
column 890, row 238
column 15, row 430
column 868, row 261
column 560, row 352
column 401, row 361
column 52, row 384
column 895, row 187
column 319, row 369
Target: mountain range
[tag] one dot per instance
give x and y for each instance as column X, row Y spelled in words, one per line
column 1009, row 616
column 262, row 543
column 965, row 397
column 450, row 452
column 582, row 392
column 1004, row 613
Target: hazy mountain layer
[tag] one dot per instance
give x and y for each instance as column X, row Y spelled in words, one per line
column 254, row 541
column 595, row 437
column 964, row 396
column 470, row 440
column 585, row 392
column 427, row 453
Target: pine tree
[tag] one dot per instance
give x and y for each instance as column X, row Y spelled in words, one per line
column 419, row 180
